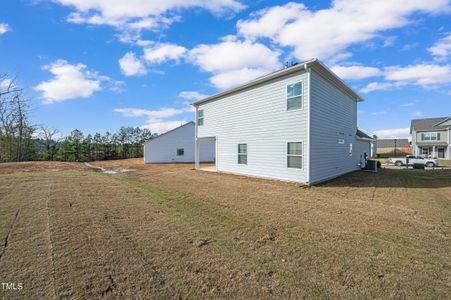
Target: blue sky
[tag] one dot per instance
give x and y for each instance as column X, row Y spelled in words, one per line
column 97, row 65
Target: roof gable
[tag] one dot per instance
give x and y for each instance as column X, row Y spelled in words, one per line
column 170, row 131
column 430, row 124
column 313, row 64
column 445, row 123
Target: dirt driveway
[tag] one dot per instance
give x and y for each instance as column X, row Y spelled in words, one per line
column 167, row 231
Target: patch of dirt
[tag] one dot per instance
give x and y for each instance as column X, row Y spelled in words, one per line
column 39, row 166
column 168, row 231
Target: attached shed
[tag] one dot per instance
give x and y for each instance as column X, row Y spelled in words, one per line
column 177, row 146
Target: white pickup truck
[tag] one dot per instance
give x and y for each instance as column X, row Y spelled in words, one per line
column 412, row 159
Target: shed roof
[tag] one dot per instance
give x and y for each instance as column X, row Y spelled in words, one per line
column 315, row 64
column 158, row 136
column 363, row 134
column 428, row 124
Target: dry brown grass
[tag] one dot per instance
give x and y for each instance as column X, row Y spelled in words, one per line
column 167, row 231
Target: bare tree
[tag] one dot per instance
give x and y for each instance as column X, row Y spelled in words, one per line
column 13, row 119
column 51, row 139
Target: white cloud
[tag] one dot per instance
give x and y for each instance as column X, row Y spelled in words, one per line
column 234, row 55
column 423, row 74
column 5, row 84
column 192, row 95
column 408, row 104
column 117, row 86
column 4, row 28
column 130, row 65
column 156, row 119
column 356, row 72
column 69, row 81
column 140, row 14
column 269, row 22
column 408, row 47
column 160, row 53
column 233, row 62
column 442, row 49
column 420, row 74
column 151, row 114
column 327, row 32
column 162, row 127
column 417, row 114
column 393, row 133
column 229, row 79
column 379, row 86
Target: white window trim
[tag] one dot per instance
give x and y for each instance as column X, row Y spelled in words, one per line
column 302, row 155
column 430, row 134
column 302, row 96
column 238, row 154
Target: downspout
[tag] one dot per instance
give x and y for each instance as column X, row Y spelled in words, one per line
column 196, row 143
column 307, row 70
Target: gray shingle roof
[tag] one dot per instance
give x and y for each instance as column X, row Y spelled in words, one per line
column 428, row 124
column 390, row 143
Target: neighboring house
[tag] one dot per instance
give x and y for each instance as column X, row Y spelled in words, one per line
column 393, row 147
column 431, row 137
column 298, row 124
column 177, row 146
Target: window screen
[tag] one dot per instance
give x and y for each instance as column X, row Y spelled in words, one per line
column 242, row 154
column 294, row 155
column 294, row 96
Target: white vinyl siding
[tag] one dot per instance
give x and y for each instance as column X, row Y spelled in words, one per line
column 333, row 117
column 258, row 116
column 165, row 148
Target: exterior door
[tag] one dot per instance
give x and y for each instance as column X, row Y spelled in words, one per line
column 426, row 151
column 441, row 152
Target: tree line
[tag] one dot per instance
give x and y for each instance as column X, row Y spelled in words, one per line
column 22, row 141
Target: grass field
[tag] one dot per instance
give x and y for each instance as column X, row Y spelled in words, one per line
column 167, row 231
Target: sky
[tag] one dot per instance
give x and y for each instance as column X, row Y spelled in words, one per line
column 97, row 65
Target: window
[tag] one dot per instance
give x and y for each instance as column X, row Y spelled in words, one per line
column 242, row 154
column 350, row 149
column 180, row 151
column 430, row 136
column 294, row 155
column 294, row 96
column 426, row 151
column 200, row 117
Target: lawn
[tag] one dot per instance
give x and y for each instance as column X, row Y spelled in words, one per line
column 167, row 231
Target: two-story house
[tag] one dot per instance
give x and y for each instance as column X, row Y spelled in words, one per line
column 431, row 137
column 297, row 124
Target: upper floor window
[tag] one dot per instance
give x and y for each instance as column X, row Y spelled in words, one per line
column 200, row 117
column 430, row 136
column 294, row 96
